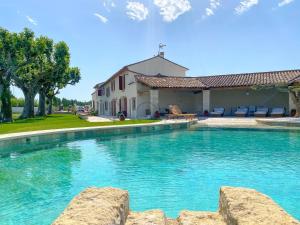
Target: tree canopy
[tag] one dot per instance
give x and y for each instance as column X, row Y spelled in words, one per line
column 37, row 65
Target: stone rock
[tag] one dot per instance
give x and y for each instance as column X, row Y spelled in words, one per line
column 200, row 218
column 151, row 217
column 241, row 206
column 172, row 222
column 96, row 206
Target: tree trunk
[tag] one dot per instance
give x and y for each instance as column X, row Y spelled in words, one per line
column 5, row 97
column 50, row 101
column 296, row 101
column 28, row 111
column 6, row 102
column 42, row 104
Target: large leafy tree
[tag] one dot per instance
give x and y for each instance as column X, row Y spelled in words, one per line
column 33, row 64
column 70, row 77
column 58, row 65
column 7, row 68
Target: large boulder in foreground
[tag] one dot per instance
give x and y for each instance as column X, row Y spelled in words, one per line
column 242, row 206
column 96, row 206
column 110, row 206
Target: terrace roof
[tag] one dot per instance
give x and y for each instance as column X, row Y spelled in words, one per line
column 221, row 81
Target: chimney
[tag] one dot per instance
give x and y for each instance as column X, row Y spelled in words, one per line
column 162, row 54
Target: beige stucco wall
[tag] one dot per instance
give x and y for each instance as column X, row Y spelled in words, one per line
column 229, row 98
column 158, row 65
column 129, row 92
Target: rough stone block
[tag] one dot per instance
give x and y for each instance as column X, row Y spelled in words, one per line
column 151, row 217
column 241, row 206
column 200, row 218
column 96, row 206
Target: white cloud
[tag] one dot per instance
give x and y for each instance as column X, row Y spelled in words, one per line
column 245, row 5
column 213, row 5
column 102, row 18
column 171, row 9
column 284, row 2
column 137, row 11
column 32, row 21
column 108, row 4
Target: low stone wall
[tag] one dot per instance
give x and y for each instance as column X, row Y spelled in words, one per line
column 110, row 206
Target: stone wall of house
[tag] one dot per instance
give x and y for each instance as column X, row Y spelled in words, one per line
column 110, row 206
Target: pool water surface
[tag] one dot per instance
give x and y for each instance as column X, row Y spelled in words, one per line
column 175, row 170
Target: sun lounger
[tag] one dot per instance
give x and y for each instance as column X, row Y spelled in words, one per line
column 217, row 112
column 175, row 112
column 252, row 110
column 261, row 112
column 277, row 112
column 241, row 111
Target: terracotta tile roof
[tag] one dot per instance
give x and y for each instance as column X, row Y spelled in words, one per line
column 170, row 82
column 250, row 79
column 220, row 81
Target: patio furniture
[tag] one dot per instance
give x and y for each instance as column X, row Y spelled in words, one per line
column 278, row 112
column 242, row 111
column 261, row 111
column 252, row 110
column 217, row 112
column 175, row 112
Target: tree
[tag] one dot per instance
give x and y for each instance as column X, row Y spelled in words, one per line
column 7, row 68
column 59, row 63
column 32, row 58
column 70, row 77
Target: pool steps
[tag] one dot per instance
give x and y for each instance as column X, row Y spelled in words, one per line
column 110, row 206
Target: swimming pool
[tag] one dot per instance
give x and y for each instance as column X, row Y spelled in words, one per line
column 170, row 170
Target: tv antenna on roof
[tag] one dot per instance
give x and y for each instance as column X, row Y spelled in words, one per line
column 160, row 47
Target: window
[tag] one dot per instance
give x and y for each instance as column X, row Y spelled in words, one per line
column 122, row 82
column 105, row 106
column 133, row 102
column 99, row 92
column 107, row 92
column 113, row 85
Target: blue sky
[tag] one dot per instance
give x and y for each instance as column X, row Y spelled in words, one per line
column 207, row 36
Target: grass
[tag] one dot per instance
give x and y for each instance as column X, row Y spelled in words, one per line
column 58, row 121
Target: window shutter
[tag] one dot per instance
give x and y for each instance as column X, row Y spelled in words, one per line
column 123, row 82
column 120, row 83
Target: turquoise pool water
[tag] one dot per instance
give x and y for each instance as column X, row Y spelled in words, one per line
column 176, row 170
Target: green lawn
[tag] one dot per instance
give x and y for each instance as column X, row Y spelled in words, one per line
column 58, row 121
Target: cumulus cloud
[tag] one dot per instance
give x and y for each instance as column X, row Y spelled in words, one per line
column 284, row 2
column 245, row 5
column 103, row 19
column 32, row 21
column 137, row 11
column 171, row 9
column 213, row 5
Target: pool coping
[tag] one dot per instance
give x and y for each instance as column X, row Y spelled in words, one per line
column 13, row 136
